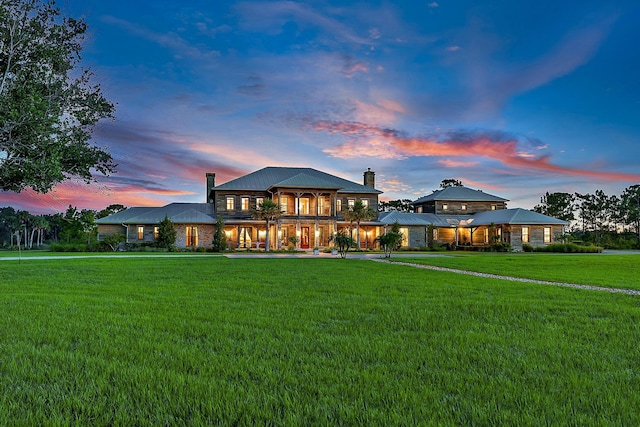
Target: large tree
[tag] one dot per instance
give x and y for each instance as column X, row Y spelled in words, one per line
column 558, row 205
column 267, row 211
column 48, row 103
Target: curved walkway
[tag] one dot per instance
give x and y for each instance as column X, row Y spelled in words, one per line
column 513, row 279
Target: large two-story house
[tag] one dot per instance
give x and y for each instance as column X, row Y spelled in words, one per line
column 311, row 201
column 312, row 204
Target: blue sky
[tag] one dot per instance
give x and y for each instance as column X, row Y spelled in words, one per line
column 513, row 97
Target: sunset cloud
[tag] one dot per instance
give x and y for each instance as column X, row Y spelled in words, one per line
column 364, row 140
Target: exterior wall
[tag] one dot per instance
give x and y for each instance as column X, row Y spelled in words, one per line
column 456, row 207
column 205, row 234
column 109, row 230
column 147, row 236
column 536, row 235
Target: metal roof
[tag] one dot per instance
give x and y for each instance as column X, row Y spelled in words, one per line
column 272, row 177
column 179, row 213
column 125, row 215
column 501, row 216
column 514, row 216
column 462, row 194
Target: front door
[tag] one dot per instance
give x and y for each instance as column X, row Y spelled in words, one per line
column 304, row 238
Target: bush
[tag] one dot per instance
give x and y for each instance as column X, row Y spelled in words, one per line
column 570, row 248
column 527, row 247
column 501, row 247
column 69, row 247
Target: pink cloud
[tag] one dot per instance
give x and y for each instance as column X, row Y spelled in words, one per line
column 456, row 164
column 370, row 141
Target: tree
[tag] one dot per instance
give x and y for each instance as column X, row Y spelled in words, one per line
column 557, row 205
column 391, row 240
column 630, row 208
column 166, row 234
column 219, row 238
column 114, row 240
column 110, row 210
column 357, row 213
column 450, row 182
column 403, row 205
column 268, row 211
column 48, row 105
column 343, row 242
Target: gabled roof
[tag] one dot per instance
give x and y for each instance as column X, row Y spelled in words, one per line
column 125, row 215
column 462, row 194
column 515, row 216
column 178, row 213
column 273, row 177
column 424, row 219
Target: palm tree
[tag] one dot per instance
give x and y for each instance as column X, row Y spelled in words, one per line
column 357, row 213
column 268, row 211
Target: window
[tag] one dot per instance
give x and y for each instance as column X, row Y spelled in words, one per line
column 547, row 234
column 259, row 201
column 405, row 236
column 464, row 207
column 365, row 203
column 244, row 203
column 156, row 232
column 140, row 232
column 351, row 203
column 445, row 206
column 339, row 205
column 493, row 207
column 320, row 205
column 284, row 203
column 499, row 235
column 419, row 209
column 302, row 205
column 435, row 234
column 230, row 203
column 192, row 236
column 525, row 234
column 486, row 235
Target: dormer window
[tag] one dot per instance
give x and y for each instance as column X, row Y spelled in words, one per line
column 464, row 207
column 445, row 206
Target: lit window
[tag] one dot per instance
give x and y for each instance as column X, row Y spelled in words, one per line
column 493, row 207
column 230, row 203
column 365, row 203
column 547, row 234
column 192, row 236
column 244, row 203
column 351, row 203
column 259, row 201
column 320, row 205
column 435, row 234
column 464, row 207
column 339, row 205
column 445, row 206
column 156, row 232
column 405, row 236
column 284, row 202
column 419, row 209
column 525, row 234
column 302, row 205
column 486, row 235
column 140, row 232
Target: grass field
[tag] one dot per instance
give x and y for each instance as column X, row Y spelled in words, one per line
column 221, row 341
column 613, row 271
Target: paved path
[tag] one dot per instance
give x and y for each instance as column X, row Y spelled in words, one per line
column 514, row 279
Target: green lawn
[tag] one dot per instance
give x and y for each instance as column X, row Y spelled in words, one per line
column 212, row 340
column 613, row 271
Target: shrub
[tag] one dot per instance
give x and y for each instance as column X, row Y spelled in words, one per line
column 501, row 247
column 569, row 248
column 527, row 247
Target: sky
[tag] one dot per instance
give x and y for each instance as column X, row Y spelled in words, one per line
column 516, row 98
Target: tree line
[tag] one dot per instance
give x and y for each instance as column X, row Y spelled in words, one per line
column 21, row 229
column 608, row 220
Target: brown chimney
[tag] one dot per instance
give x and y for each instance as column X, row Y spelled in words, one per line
column 211, row 182
column 370, row 178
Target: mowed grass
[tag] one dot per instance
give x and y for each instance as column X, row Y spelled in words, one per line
column 613, row 271
column 219, row 341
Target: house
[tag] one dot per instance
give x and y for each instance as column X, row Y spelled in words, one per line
column 461, row 217
column 311, row 201
column 312, row 204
